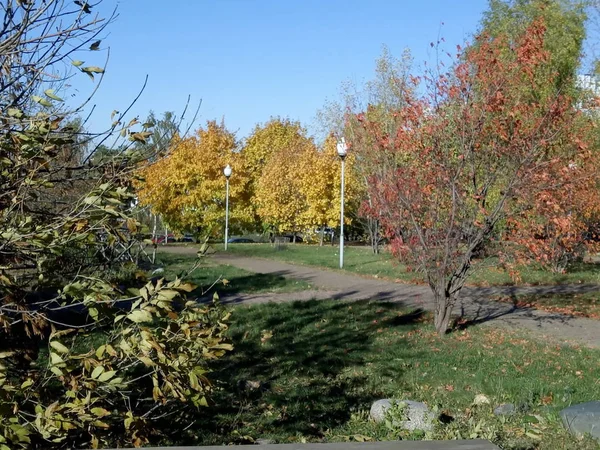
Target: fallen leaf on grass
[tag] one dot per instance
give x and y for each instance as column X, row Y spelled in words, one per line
column 266, row 335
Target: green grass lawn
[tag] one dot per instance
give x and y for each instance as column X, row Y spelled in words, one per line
column 359, row 260
column 309, row 371
column 238, row 280
column 362, row 261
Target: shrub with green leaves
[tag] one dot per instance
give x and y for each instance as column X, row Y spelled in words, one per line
column 86, row 359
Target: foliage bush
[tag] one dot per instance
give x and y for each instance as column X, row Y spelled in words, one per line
column 92, row 353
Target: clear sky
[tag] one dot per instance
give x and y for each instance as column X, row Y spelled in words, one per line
column 249, row 60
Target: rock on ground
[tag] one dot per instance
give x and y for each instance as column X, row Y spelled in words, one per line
column 583, row 418
column 418, row 416
column 506, row 409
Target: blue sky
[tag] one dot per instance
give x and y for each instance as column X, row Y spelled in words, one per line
column 249, row 60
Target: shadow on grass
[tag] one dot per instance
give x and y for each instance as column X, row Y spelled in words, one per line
column 478, row 309
column 299, row 369
column 238, row 280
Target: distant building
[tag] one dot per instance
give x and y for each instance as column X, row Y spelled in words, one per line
column 589, row 83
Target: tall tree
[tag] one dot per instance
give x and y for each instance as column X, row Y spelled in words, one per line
column 379, row 98
column 264, row 143
column 164, row 130
column 565, row 30
column 280, row 201
column 187, row 186
column 319, row 176
column 489, row 141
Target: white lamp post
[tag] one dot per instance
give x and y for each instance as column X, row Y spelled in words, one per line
column 342, row 150
column 227, row 173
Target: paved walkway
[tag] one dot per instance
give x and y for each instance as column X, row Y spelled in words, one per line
column 475, row 304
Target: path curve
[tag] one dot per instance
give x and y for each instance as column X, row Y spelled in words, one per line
column 475, row 304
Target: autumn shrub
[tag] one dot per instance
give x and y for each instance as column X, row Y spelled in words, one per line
column 493, row 150
column 92, row 354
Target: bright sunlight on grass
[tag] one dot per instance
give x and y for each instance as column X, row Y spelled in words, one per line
column 362, row 261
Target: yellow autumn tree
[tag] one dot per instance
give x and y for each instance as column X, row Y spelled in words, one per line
column 266, row 140
column 278, row 196
column 318, row 176
column 187, row 187
column 269, row 152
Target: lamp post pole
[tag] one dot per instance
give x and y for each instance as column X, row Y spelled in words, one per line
column 227, row 173
column 342, row 150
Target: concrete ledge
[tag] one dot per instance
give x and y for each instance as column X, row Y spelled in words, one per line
column 388, row 445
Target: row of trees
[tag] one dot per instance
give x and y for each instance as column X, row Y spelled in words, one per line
column 496, row 155
column 281, row 180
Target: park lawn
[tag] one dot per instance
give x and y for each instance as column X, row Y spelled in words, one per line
column 579, row 305
column 362, row 261
column 236, row 280
column 309, row 371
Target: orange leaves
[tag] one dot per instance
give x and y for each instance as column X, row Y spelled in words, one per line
column 491, row 152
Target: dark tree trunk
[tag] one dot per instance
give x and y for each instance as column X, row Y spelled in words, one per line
column 443, row 310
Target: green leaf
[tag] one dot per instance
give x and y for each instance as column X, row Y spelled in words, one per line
column 77, row 63
column 100, row 412
column 15, row 112
column 92, row 199
column 56, row 359
column 60, row 348
column 100, row 351
column 97, row 372
column 27, row 383
column 140, row 316
column 147, row 361
column 92, row 69
column 107, row 375
column 41, row 101
column 56, row 371
column 50, row 94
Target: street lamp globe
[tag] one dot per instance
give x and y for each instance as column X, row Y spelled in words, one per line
column 227, row 171
column 342, row 148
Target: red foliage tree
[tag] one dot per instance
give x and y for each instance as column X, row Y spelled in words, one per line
column 486, row 154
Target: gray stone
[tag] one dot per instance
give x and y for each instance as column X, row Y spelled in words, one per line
column 583, row 418
column 506, row 409
column 379, row 408
column 418, row 416
column 264, row 442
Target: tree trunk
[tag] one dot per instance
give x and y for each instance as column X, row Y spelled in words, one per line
column 375, row 237
column 322, row 238
column 443, row 310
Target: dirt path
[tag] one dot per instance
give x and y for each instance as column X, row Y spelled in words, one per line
column 476, row 305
